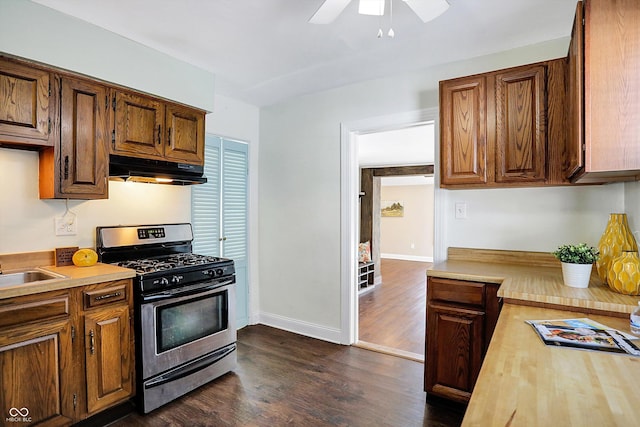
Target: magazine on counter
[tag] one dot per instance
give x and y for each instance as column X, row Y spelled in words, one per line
column 585, row 334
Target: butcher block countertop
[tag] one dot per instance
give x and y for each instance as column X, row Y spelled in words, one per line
column 74, row 276
column 532, row 278
column 522, row 381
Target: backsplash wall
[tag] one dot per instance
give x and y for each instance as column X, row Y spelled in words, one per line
column 27, row 223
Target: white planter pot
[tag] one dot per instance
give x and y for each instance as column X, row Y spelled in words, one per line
column 576, row 275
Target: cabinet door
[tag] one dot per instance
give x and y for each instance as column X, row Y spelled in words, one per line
column 138, row 126
column 454, row 348
column 25, row 105
column 83, row 144
column 36, row 371
column 575, row 94
column 108, row 357
column 185, row 135
column 612, row 87
column 463, row 132
column 520, row 124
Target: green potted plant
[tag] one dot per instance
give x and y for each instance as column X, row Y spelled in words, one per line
column 577, row 263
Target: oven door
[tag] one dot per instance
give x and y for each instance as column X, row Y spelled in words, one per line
column 181, row 325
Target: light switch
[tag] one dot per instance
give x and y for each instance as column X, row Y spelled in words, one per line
column 461, row 210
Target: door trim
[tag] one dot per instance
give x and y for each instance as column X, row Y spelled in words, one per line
column 349, row 211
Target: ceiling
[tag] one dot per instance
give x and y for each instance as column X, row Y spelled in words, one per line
column 265, row 51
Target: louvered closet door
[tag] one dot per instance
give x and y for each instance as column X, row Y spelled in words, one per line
column 220, row 212
column 205, row 204
column 234, row 218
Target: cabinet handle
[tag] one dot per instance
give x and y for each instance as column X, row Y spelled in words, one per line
column 169, row 137
column 66, row 167
column 92, row 342
column 159, row 135
column 112, row 295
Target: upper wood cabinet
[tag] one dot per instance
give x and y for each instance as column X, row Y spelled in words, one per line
column 463, row 131
column 77, row 168
column 26, row 105
column 520, row 131
column 605, row 130
column 504, row 128
column 150, row 128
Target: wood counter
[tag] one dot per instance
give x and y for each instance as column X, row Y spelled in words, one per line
column 523, row 382
column 534, row 280
column 74, row 276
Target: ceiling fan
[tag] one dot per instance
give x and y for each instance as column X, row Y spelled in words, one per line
column 425, row 9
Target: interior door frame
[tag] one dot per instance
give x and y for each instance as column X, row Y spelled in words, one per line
column 349, row 210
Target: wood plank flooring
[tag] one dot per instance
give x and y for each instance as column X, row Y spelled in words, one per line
column 393, row 314
column 288, row 379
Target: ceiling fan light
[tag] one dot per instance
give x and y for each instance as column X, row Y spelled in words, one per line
column 371, row 7
column 428, row 9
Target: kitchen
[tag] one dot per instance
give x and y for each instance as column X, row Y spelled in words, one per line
column 300, row 138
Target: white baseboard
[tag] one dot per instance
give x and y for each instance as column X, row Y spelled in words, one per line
column 408, row 257
column 303, row 328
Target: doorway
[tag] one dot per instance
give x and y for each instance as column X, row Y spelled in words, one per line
column 350, row 189
column 396, row 222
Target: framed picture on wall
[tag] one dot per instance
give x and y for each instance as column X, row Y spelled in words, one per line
column 391, row 208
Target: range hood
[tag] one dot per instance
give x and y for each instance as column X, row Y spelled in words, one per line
column 133, row 169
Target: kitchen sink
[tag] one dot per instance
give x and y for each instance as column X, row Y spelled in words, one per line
column 27, row 276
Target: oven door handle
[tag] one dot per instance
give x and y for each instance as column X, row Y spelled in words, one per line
column 190, row 368
column 174, row 293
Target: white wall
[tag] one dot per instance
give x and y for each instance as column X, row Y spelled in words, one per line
column 27, row 223
column 632, row 207
column 41, row 34
column 409, row 237
column 300, row 256
column 535, row 219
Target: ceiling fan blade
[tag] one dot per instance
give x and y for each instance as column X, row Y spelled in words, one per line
column 328, row 11
column 428, row 9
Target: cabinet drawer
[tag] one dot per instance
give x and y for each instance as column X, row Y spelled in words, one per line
column 29, row 309
column 456, row 291
column 115, row 292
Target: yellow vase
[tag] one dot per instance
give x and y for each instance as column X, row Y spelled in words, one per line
column 624, row 273
column 617, row 238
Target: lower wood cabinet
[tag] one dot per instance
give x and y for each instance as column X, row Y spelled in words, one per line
column 461, row 318
column 37, row 378
column 61, row 362
column 108, row 344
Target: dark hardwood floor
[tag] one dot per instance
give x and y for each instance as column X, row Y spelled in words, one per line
column 393, row 314
column 288, row 379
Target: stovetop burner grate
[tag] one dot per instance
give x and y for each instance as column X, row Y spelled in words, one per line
column 169, row 262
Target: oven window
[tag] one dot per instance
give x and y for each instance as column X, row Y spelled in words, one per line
column 190, row 320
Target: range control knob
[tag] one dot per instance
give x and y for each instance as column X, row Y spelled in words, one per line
column 176, row 279
column 219, row 272
column 164, row 281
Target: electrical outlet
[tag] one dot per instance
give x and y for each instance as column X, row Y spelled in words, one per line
column 66, row 227
column 461, row 210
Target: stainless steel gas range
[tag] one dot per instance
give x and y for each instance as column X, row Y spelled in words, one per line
column 184, row 309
